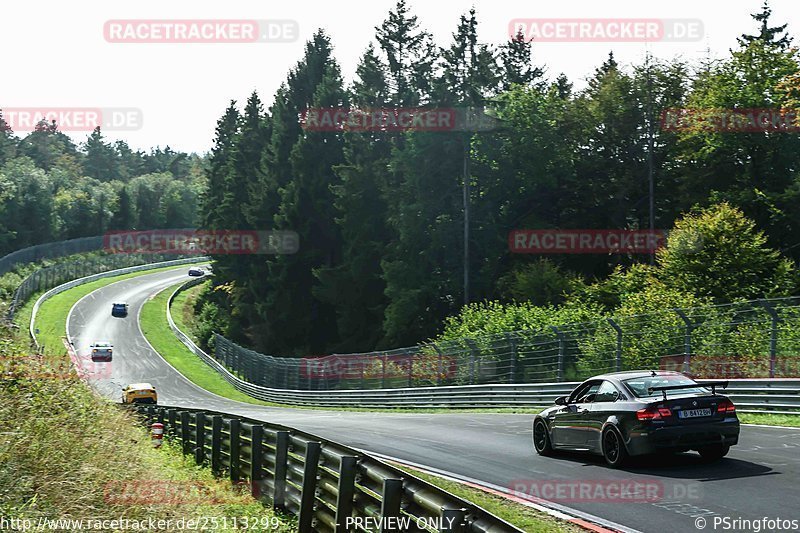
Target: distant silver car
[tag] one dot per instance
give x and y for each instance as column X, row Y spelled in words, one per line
column 102, row 351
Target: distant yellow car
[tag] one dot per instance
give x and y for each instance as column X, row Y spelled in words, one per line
column 139, row 393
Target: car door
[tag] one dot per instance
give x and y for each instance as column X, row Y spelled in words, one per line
column 604, row 405
column 569, row 423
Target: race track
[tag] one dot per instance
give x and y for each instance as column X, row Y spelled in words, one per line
column 757, row 479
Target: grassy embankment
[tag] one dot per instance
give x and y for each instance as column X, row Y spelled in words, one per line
column 67, row 453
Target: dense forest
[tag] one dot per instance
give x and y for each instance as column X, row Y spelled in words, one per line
column 380, row 214
column 52, row 189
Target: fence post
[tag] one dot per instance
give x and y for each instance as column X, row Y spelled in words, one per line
column 308, row 495
column 200, row 432
column 410, row 369
column 512, row 340
column 391, row 501
column 383, row 370
column 687, row 341
column 256, row 461
column 346, row 491
column 216, row 443
column 773, row 335
column 618, row 361
column 440, row 364
column 472, row 355
column 561, row 352
column 236, row 430
column 281, row 459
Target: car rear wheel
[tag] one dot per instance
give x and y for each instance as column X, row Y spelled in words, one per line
column 614, row 450
column 541, row 438
column 714, row 453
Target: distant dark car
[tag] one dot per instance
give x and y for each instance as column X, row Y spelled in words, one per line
column 120, row 310
column 636, row 413
column 197, row 272
column 101, row 351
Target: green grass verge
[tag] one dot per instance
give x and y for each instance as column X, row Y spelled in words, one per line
column 153, row 321
column 51, row 319
column 526, row 518
column 770, row 419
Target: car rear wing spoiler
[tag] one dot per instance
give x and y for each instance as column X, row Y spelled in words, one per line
column 711, row 384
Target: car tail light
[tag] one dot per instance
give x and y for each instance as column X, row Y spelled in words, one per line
column 653, row 413
column 726, row 406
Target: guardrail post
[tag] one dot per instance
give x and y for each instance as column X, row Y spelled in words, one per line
column 308, row 495
column 186, row 438
column 346, row 491
column 687, row 340
column 561, row 353
column 172, row 418
column 773, row 335
column 453, row 521
column 618, row 359
column 236, row 431
column 391, row 502
column 216, row 443
column 256, row 461
column 281, row 461
column 200, row 431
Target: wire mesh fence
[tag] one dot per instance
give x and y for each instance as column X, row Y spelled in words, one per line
column 754, row 339
column 49, row 250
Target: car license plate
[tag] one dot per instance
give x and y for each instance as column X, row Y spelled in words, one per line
column 694, row 413
column 141, row 393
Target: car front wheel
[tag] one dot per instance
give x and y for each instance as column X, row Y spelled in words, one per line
column 541, row 438
column 614, row 450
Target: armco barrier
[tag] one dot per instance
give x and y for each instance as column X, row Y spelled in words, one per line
column 778, row 396
column 328, row 486
column 87, row 279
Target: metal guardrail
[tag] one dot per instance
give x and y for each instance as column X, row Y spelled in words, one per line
column 778, row 396
column 321, row 482
column 107, row 274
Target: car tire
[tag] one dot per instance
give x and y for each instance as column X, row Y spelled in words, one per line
column 614, row 451
column 715, row 452
column 541, row 438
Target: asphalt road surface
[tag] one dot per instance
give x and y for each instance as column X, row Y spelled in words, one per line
column 760, row 478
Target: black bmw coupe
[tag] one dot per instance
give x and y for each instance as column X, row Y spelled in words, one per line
column 636, row 413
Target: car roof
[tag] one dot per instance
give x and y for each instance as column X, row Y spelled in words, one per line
column 633, row 374
column 140, row 386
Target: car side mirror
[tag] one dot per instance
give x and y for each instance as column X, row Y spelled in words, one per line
column 561, row 400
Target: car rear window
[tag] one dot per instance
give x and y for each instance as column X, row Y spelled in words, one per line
column 640, row 386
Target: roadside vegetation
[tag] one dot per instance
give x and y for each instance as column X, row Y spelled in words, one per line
column 66, row 453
